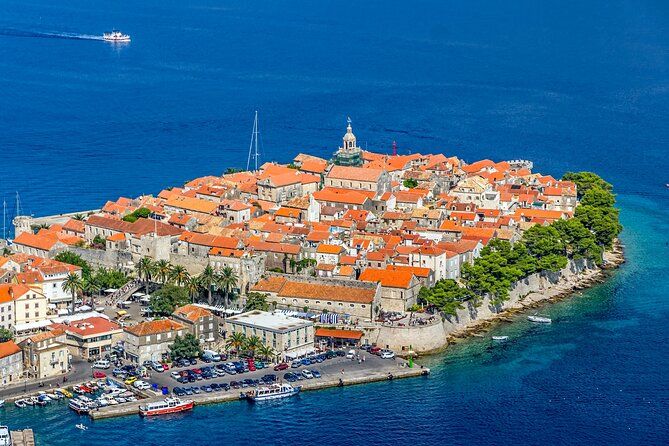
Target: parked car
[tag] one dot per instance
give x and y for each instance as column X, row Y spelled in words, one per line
column 281, row 366
column 295, row 364
column 99, row 375
column 316, row 373
column 175, row 375
column 158, row 367
column 375, row 350
column 178, row 391
column 307, row 374
column 130, row 380
column 141, row 385
column 350, row 354
column 101, row 364
column 387, row 354
column 290, row 377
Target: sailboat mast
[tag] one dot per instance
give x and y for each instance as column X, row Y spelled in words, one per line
column 255, row 125
column 253, row 146
column 4, row 219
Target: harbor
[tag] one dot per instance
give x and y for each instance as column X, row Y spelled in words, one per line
column 373, row 369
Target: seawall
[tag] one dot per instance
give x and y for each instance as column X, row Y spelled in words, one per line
column 532, row 291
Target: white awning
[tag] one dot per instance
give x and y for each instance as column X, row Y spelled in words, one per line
column 304, row 351
column 83, row 308
column 110, row 290
column 138, row 294
column 31, row 326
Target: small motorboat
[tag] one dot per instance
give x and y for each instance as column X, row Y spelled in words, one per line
column 81, row 426
column 20, row 403
column 500, row 338
column 2, row 403
column 29, row 401
column 539, row 319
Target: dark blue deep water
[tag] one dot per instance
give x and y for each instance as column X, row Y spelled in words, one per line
column 572, row 85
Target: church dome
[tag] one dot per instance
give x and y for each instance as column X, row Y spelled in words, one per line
column 349, row 136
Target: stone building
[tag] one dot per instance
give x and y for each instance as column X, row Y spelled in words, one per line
column 199, row 322
column 11, row 363
column 150, row 341
column 45, row 354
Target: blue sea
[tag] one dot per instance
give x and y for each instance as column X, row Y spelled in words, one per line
column 572, row 85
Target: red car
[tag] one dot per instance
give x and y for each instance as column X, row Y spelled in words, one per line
column 282, row 366
column 375, row 350
column 99, row 375
column 252, row 365
column 165, row 366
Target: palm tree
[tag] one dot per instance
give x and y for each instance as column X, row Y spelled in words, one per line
column 163, row 270
column 73, row 284
column 193, row 287
column 266, row 352
column 179, row 275
column 145, row 270
column 252, row 344
column 236, row 341
column 227, row 281
column 208, row 278
column 79, row 217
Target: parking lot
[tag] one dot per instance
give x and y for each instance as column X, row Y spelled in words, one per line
column 339, row 366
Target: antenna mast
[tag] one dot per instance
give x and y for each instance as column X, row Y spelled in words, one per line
column 18, row 204
column 253, row 147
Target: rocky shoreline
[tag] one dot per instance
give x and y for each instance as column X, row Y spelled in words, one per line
column 563, row 289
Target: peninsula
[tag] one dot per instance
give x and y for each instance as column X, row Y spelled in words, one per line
column 397, row 253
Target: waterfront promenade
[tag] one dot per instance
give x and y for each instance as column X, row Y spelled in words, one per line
column 339, row 372
column 80, row 371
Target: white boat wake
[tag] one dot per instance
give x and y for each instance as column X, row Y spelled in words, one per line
column 48, row 35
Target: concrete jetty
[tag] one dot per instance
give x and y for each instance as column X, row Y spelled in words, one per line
column 348, row 378
column 26, row 437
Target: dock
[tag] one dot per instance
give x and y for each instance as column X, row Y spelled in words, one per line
column 348, row 378
column 26, row 437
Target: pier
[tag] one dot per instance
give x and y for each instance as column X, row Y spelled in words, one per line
column 26, row 437
column 392, row 370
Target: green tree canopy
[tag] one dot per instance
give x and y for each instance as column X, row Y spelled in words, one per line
column 410, row 183
column 6, row 335
column 446, row 295
column 166, row 299
column 187, row 346
column 74, row 259
column 256, row 301
column 137, row 214
column 587, row 180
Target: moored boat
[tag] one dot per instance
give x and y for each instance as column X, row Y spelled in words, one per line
column 539, row 319
column 80, row 407
column 167, row 406
column 20, row 403
column 272, row 392
column 500, row 338
column 5, row 438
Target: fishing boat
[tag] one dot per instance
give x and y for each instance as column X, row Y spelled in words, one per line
column 116, row 36
column 272, row 392
column 5, row 438
column 500, row 338
column 80, row 407
column 168, row 405
column 539, row 319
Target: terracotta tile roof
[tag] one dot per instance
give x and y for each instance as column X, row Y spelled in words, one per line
column 318, row 236
column 192, row 312
column 355, row 173
column 345, row 270
column 89, row 327
column 8, row 348
column 332, row 195
column 74, row 226
column 324, row 248
column 337, row 333
column 285, row 248
column 388, row 278
column 347, row 260
column 326, row 267
column 340, row 293
column 314, row 165
column 271, row 284
column 154, row 327
column 39, row 337
column 12, row 291
column 117, row 237
column 45, row 243
column 213, row 241
column 415, row 270
column 192, row 204
column 287, row 212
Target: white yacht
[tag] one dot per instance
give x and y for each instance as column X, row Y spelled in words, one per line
column 116, row 36
column 272, row 392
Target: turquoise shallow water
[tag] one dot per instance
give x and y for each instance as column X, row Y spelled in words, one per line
column 571, row 85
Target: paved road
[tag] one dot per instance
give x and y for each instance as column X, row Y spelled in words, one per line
column 81, row 371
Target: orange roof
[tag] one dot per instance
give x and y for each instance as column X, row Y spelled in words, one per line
column 355, row 173
column 337, row 333
column 12, row 291
column 345, row 270
column 347, row 260
column 41, row 242
column 88, row 327
column 391, row 279
column 74, row 225
column 117, row 237
column 192, row 312
column 347, row 196
column 192, row 204
column 39, row 337
column 538, row 213
column 287, row 212
column 314, row 165
column 415, row 270
column 214, row 241
column 324, row 248
column 154, row 327
column 8, row 348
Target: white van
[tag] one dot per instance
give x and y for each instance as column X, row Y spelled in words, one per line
column 211, row 355
column 101, row 364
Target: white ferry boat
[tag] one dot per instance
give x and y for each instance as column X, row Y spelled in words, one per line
column 5, row 438
column 116, row 36
column 272, row 392
column 539, row 319
column 168, row 405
